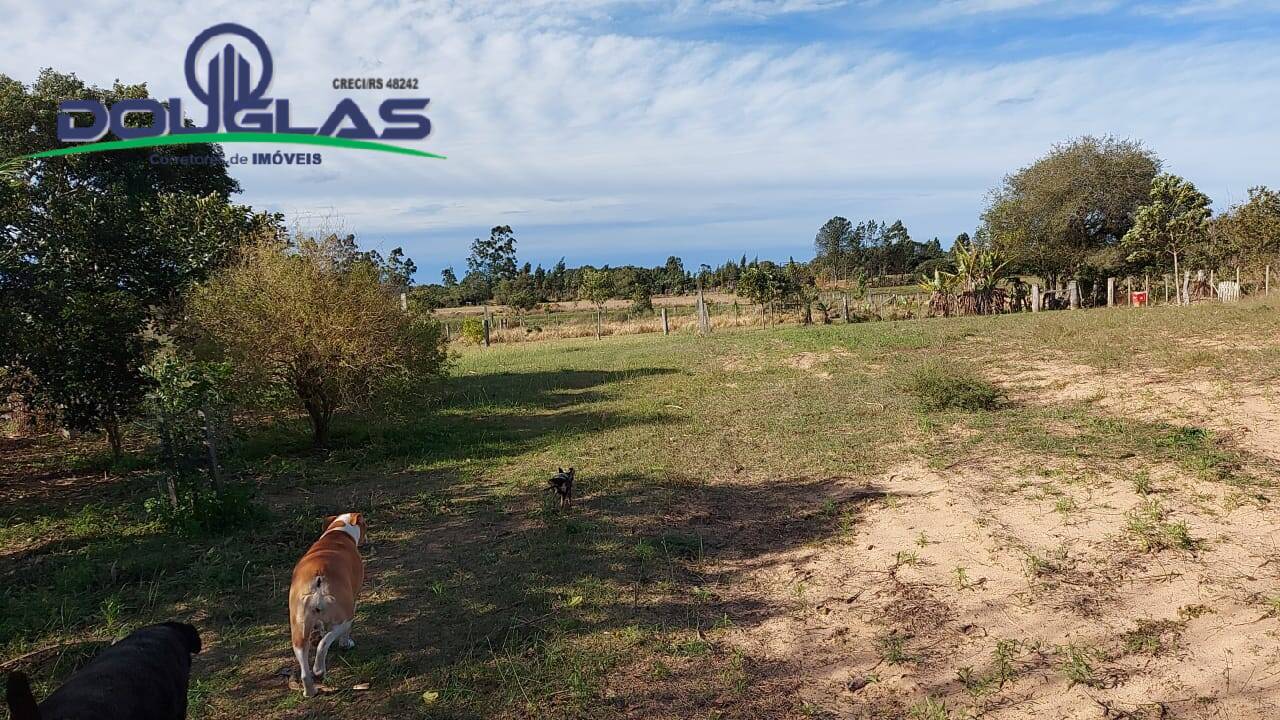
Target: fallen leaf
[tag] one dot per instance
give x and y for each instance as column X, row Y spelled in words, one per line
column 360, row 686
column 429, row 697
column 574, row 601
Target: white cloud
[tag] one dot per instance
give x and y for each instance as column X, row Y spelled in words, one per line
column 605, row 146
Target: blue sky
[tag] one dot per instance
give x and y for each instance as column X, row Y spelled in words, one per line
column 612, row 131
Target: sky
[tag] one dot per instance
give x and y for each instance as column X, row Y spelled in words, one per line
column 624, row 131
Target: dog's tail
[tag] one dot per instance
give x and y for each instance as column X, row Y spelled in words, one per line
column 22, row 704
column 314, row 602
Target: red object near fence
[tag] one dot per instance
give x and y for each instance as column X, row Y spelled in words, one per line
column 1139, row 298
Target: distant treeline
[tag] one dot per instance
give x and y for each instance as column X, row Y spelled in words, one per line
column 1090, row 209
column 844, row 252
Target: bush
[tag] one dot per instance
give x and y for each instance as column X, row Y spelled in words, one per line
column 315, row 318
column 944, row 385
column 187, row 406
column 472, row 331
column 201, row 510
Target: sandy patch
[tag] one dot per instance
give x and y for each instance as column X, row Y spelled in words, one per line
column 949, row 569
column 1245, row 412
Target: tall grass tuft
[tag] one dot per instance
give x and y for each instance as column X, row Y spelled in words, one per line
column 941, row 385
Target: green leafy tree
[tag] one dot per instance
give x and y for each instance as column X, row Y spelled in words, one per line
column 518, row 292
column 494, row 258
column 1250, row 231
column 674, row 279
column 597, row 288
column 758, row 285
column 98, row 247
column 189, row 410
column 1053, row 216
column 1173, row 223
column 837, row 249
column 398, row 269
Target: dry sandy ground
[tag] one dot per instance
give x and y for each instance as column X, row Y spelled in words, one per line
column 1003, row 592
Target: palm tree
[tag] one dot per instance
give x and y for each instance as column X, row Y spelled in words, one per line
column 941, row 290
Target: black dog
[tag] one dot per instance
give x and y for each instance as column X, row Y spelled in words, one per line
column 562, row 484
column 142, row 677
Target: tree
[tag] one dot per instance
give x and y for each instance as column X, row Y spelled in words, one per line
column 300, row 317
column 1250, row 232
column 1050, row 217
column 597, row 288
column 189, row 409
column 675, row 280
column 836, row 248
column 98, row 247
column 494, row 259
column 518, row 292
column 1171, row 224
column 758, row 285
column 398, row 269
column 448, row 277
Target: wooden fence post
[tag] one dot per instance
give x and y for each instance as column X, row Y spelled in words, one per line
column 1111, row 292
column 1166, row 289
column 404, row 302
column 1035, row 297
column 666, row 328
column 485, row 324
column 1073, row 292
column 1186, row 288
column 1266, row 282
column 1128, row 284
column 846, row 308
column 704, row 318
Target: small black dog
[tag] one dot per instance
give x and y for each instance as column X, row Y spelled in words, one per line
column 142, row 677
column 562, row 484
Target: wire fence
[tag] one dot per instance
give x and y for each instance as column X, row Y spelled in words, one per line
column 894, row 302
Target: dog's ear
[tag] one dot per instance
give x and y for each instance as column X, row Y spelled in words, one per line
column 357, row 519
column 560, row 470
column 570, row 471
column 190, row 636
column 22, row 704
column 329, row 521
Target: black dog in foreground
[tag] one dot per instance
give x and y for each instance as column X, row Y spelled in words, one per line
column 562, row 484
column 142, row 677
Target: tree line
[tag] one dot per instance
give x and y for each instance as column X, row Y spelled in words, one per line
column 1095, row 208
column 495, row 274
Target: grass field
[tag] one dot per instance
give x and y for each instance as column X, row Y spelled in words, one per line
column 1065, row 515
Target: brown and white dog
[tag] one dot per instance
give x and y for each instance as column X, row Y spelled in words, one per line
column 322, row 596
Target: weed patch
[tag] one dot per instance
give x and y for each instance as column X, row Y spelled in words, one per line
column 1150, row 528
column 939, row 385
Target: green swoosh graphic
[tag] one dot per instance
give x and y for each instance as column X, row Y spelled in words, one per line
column 231, row 137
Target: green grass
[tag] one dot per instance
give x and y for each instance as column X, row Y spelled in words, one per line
column 1077, row 664
column 1152, row 531
column 943, row 385
column 481, row 591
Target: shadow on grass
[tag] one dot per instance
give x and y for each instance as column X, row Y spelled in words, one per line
column 93, row 563
column 473, row 417
column 532, row 607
